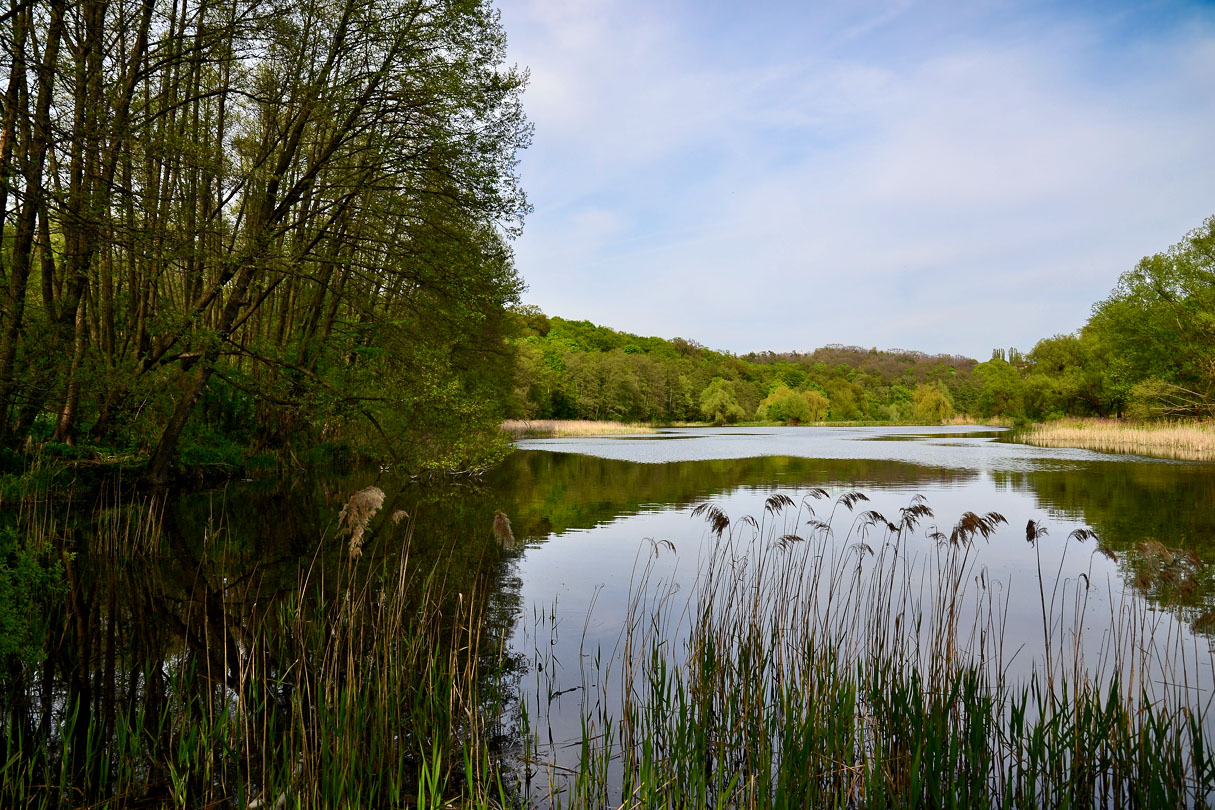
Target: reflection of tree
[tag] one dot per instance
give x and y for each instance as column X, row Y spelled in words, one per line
column 250, row 620
column 1157, row 517
column 1128, row 501
column 552, row 492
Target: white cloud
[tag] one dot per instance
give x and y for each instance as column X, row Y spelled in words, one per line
column 947, row 195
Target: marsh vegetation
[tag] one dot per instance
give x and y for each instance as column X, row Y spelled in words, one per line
column 227, row 648
column 564, row 428
column 807, row 668
column 1187, row 440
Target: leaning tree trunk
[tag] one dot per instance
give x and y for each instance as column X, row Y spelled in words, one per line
column 160, row 467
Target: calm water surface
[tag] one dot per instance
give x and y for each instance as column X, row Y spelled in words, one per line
column 587, row 516
column 588, row 509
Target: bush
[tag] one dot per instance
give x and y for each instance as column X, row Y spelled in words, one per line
column 718, row 403
column 793, row 407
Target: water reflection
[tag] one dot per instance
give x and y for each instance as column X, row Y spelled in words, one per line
column 145, row 619
column 590, row 504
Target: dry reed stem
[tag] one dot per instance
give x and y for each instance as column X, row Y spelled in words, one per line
column 568, row 428
column 1183, row 440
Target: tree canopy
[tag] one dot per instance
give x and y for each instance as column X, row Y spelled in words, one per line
column 265, row 219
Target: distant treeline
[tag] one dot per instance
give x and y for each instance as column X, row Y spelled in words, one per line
column 577, row 370
column 1148, row 350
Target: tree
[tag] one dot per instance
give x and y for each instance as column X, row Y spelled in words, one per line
column 793, row 407
column 1001, row 392
column 283, row 201
column 1070, row 374
column 718, row 403
column 844, row 397
column 1159, row 323
column 931, row 404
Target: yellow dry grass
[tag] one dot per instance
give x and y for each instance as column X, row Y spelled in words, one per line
column 961, row 420
column 1185, row 440
column 567, row 428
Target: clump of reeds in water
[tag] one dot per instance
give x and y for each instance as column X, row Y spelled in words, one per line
column 1183, row 440
column 361, row 686
column 568, row 428
column 820, row 670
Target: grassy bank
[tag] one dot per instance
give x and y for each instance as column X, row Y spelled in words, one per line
column 1185, row 440
column 569, row 428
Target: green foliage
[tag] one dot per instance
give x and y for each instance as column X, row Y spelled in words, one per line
column 931, row 404
column 329, row 265
column 718, row 403
column 793, row 407
column 1151, row 398
column 31, row 581
column 1148, row 350
column 577, row 370
column 1160, row 320
column 1001, row 391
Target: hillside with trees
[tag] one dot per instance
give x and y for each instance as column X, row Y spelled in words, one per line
column 577, row 370
column 1147, row 351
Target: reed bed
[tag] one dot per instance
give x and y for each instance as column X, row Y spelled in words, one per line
column 814, row 670
column 368, row 684
column 1183, row 440
column 568, row 428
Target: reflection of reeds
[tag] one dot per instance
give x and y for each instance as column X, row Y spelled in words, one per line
column 1191, row 441
column 819, row 670
column 568, row 428
column 362, row 687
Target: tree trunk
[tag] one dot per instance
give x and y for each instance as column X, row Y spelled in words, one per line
column 65, row 429
column 160, row 467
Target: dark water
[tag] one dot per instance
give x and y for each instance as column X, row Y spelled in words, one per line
column 585, row 514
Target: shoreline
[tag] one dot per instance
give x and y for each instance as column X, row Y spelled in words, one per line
column 1191, row 440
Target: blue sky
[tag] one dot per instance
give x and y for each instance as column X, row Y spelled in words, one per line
column 948, row 177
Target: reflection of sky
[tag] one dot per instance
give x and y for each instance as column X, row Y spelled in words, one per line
column 947, row 176
column 582, row 579
column 963, row 448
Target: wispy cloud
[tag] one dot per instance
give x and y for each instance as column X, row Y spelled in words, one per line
column 949, row 180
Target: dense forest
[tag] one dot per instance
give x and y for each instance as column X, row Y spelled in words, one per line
column 243, row 224
column 574, row 369
column 1147, row 351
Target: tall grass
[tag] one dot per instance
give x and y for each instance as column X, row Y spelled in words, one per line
column 814, row 670
column 369, row 683
column 1185, row 440
column 826, row 656
column 568, row 428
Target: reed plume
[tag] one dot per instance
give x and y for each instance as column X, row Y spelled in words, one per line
column 357, row 513
column 502, row 531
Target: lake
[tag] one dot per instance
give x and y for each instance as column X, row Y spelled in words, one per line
column 584, row 509
column 605, row 534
